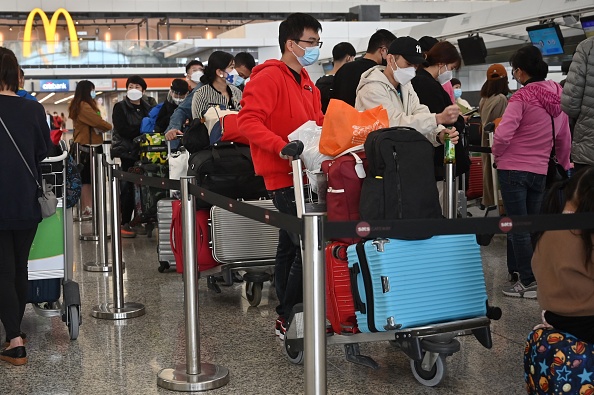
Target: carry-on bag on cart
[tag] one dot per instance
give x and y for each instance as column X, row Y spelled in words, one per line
column 146, row 197
column 204, row 257
column 399, row 284
column 340, row 306
column 400, row 181
column 153, row 148
column 345, row 178
column 164, row 218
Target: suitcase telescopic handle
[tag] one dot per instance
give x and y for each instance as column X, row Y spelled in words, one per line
column 353, row 273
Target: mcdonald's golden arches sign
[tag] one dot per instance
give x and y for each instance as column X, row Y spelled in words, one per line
column 49, row 26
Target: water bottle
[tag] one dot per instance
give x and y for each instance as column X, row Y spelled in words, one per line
column 449, row 149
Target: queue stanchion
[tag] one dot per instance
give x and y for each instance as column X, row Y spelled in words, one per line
column 314, row 304
column 102, row 264
column 194, row 375
column 119, row 309
column 94, row 235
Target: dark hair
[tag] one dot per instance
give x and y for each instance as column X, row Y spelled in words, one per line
column 218, row 60
column 495, row 87
column 579, row 190
column 427, row 42
column 381, row 38
column 245, row 59
column 444, row 52
column 179, row 86
column 456, row 81
column 529, row 59
column 292, row 28
column 21, row 72
column 136, row 79
column 342, row 50
column 82, row 94
column 9, row 70
column 193, row 63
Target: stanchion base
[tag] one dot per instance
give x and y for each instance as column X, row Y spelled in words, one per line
column 97, row 267
column 106, row 311
column 210, row 377
column 89, row 237
column 81, row 219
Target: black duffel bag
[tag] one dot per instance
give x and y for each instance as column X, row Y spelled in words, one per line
column 226, row 168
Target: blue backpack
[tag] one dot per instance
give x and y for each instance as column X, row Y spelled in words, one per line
column 148, row 123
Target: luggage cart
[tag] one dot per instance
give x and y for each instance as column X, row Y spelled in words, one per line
column 51, row 256
column 427, row 346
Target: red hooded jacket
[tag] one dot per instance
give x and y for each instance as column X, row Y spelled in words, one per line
column 273, row 106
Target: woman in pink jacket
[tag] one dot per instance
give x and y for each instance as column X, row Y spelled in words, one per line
column 521, row 147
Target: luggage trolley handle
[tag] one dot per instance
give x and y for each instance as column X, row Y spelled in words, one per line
column 292, row 151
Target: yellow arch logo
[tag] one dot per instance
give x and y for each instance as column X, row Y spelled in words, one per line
column 50, row 31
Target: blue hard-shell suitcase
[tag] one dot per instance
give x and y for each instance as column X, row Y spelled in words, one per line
column 400, row 284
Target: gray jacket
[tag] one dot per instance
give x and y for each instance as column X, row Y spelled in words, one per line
column 577, row 101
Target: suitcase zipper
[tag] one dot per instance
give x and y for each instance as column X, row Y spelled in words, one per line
column 367, row 283
column 398, row 186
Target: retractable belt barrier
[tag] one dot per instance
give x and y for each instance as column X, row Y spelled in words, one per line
column 372, row 229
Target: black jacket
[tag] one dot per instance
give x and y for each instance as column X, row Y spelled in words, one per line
column 127, row 118
column 432, row 94
column 347, row 79
column 324, row 84
column 26, row 121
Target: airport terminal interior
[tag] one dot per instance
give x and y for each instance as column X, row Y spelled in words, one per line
column 108, row 41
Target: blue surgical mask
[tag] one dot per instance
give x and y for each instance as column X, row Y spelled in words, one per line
column 233, row 78
column 93, row 94
column 457, row 93
column 310, row 57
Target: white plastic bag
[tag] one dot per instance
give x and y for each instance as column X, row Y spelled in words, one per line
column 309, row 133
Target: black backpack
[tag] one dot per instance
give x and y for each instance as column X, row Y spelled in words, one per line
column 400, row 181
column 226, row 168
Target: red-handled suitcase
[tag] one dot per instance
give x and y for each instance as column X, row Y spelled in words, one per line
column 340, row 307
column 204, row 256
column 475, row 178
column 345, row 178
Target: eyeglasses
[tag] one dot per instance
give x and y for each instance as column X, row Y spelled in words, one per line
column 313, row 43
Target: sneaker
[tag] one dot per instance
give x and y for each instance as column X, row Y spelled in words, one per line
column 140, row 230
column 513, row 277
column 280, row 327
column 519, row 290
column 127, row 232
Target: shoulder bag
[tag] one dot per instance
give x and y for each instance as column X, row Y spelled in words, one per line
column 555, row 171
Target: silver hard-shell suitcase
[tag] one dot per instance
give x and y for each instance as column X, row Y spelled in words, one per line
column 164, row 214
column 239, row 239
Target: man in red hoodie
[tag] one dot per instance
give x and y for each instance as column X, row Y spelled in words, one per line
column 279, row 98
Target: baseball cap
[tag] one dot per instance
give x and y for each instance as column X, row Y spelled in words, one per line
column 495, row 72
column 179, row 86
column 408, row 48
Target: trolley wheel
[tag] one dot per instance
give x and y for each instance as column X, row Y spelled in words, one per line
column 295, row 357
column 73, row 321
column 253, row 293
column 432, row 377
column 163, row 265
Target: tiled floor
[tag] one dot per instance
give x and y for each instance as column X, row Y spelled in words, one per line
column 124, row 357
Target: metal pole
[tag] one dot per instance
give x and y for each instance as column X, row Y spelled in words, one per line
column 449, row 191
column 194, row 375
column 94, row 235
column 314, row 305
column 299, row 199
column 117, row 310
column 102, row 265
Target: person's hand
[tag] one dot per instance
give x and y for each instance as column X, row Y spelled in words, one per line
column 172, row 134
column 454, row 135
column 448, row 116
column 283, row 156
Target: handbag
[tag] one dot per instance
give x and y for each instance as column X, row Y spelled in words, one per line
column 47, row 201
column 555, row 171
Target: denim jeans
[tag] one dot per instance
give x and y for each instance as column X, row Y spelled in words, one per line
column 522, row 194
column 288, row 277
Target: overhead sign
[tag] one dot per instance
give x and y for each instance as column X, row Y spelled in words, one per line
column 50, row 31
column 54, row 85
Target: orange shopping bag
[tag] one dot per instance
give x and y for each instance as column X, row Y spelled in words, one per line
column 345, row 127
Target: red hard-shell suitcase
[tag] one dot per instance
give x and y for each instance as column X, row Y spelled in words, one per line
column 340, row 307
column 203, row 254
column 345, row 178
column 475, row 178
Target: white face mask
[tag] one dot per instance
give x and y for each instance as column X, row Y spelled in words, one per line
column 403, row 76
column 177, row 100
column 445, row 76
column 134, row 94
column 196, row 75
